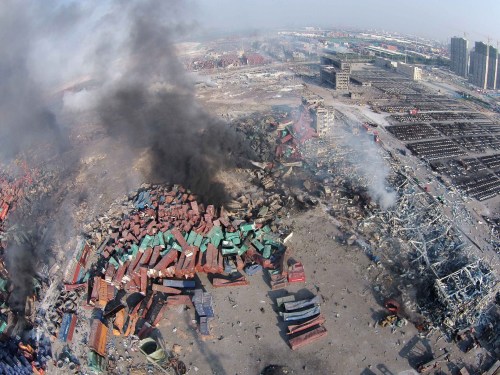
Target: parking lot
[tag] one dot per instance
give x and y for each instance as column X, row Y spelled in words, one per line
column 451, row 135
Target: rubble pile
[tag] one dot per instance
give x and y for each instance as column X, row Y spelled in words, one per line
column 494, row 224
column 261, row 132
column 413, row 239
column 278, row 140
column 60, row 317
column 437, row 255
column 225, row 60
column 280, row 136
column 19, row 186
column 12, row 190
column 150, row 247
column 337, row 168
column 18, row 357
column 466, row 293
column 420, row 247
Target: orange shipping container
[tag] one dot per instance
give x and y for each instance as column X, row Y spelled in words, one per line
column 98, row 337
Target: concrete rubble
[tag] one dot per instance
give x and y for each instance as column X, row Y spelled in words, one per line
column 412, row 240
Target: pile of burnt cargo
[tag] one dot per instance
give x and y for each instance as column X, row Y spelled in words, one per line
column 19, row 188
column 171, row 235
column 12, row 193
column 61, row 316
column 148, row 260
column 18, row 357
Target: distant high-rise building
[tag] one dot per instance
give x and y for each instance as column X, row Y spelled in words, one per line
column 471, row 64
column 459, row 56
column 492, row 68
column 498, row 73
column 479, row 65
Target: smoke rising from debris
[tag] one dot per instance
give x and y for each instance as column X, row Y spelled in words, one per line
column 153, row 107
column 187, row 146
column 28, row 128
column 141, row 95
column 369, row 163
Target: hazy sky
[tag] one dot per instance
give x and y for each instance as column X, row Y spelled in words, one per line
column 439, row 19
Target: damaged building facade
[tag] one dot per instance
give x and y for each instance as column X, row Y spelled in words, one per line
column 323, row 119
column 336, row 68
column 335, row 72
column 338, row 79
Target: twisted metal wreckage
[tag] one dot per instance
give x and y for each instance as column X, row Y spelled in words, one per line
column 428, row 246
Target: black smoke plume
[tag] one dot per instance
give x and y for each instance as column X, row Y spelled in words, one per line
column 140, row 93
column 186, row 145
column 153, row 107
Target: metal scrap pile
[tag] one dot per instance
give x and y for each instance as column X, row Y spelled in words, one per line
column 149, row 250
column 278, row 140
column 413, row 238
column 21, row 358
column 14, row 182
column 466, row 293
column 494, row 239
column 261, row 133
column 279, row 137
column 427, row 247
column 17, row 183
column 61, row 316
column 304, row 319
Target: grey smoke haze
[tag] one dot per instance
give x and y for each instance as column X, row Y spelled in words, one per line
column 369, row 163
column 25, row 118
column 433, row 19
column 153, row 106
column 142, row 97
column 27, row 124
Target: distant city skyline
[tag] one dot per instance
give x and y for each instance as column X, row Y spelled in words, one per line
column 439, row 20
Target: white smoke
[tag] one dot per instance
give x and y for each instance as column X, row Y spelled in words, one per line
column 83, row 100
column 367, row 159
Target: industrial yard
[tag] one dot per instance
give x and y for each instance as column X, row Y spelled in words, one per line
column 273, row 205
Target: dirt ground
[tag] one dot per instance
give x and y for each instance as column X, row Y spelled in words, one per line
column 248, row 333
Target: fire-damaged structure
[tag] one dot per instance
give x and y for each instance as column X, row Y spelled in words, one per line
column 466, row 293
column 429, row 255
column 335, row 77
column 463, row 285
